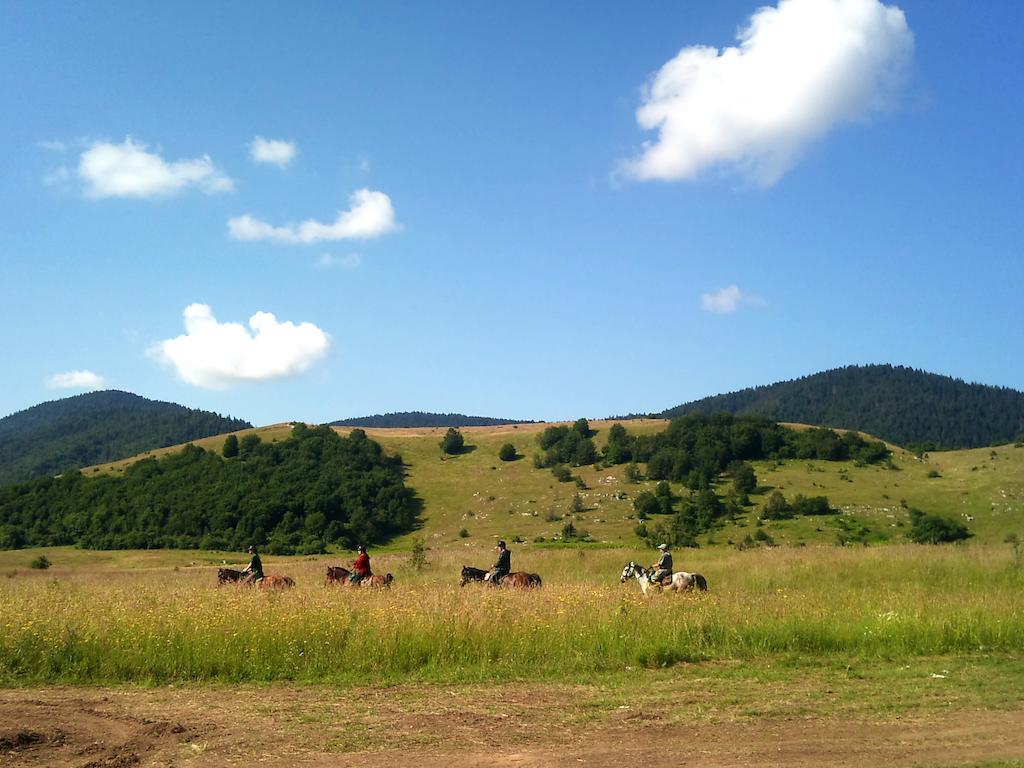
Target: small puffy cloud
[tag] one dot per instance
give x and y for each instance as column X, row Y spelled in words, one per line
column 272, row 151
column 130, row 170
column 348, row 261
column 52, row 145
column 800, row 69
column 76, row 380
column 370, row 215
column 216, row 355
column 728, row 300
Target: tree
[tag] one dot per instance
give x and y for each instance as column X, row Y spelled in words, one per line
column 248, row 445
column 743, row 478
column 452, row 443
column 935, row 529
column 230, row 449
column 507, row 452
column 776, row 508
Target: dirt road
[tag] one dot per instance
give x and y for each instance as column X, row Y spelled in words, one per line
column 433, row 726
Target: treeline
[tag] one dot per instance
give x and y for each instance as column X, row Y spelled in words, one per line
column 95, row 428
column 299, row 495
column 695, row 449
column 422, row 419
column 700, row 451
column 901, row 405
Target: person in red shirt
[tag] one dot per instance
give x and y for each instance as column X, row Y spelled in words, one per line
column 361, row 567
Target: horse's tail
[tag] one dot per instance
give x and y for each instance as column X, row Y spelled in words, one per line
column 388, row 578
column 702, row 583
column 535, row 580
column 289, row 581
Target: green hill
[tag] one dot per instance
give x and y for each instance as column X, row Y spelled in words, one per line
column 97, row 427
column 900, row 405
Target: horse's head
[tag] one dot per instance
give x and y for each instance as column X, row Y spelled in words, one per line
column 628, row 572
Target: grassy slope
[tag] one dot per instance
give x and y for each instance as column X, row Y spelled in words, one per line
column 491, row 498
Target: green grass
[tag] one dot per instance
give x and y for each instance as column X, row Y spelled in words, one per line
column 112, row 623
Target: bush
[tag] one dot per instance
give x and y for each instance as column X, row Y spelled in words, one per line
column 777, row 508
column 463, row 533
column 934, row 473
column 230, row 449
column 935, row 529
column 813, row 505
column 452, row 443
column 507, row 452
column 418, row 555
column 561, row 473
column 40, row 563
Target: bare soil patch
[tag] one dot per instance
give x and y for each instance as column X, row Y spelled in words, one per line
column 431, row 726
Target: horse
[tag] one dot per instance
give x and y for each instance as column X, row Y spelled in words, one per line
column 513, row 579
column 273, row 581
column 338, row 575
column 229, row 576
column 680, row 579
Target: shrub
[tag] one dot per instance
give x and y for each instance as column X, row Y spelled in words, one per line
column 418, row 555
column 777, row 508
column 813, row 505
column 40, row 563
column 507, row 452
column 452, row 442
column 933, row 473
column 230, row 449
column 935, row 529
column 463, row 533
column 561, row 473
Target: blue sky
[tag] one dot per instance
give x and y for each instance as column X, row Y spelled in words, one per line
column 515, row 210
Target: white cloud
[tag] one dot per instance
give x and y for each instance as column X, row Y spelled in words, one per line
column 217, row 355
column 728, row 300
column 272, row 151
column 370, row 215
column 129, row 170
column 799, row 69
column 52, row 146
column 76, row 380
column 348, row 261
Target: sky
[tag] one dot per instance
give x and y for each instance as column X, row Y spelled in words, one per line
column 527, row 210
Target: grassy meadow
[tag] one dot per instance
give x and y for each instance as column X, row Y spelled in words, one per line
column 159, row 617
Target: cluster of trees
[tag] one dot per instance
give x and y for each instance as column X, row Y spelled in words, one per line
column 926, row 528
column 777, row 508
column 695, row 449
column 97, row 427
column 301, row 494
column 566, row 445
column 902, row 405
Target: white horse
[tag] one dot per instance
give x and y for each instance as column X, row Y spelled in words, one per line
column 680, row 579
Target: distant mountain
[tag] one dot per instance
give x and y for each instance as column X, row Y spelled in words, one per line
column 421, row 419
column 97, row 427
column 898, row 404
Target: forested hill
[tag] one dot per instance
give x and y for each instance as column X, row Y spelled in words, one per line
column 97, row 427
column 301, row 494
column 898, row 404
column 421, row 419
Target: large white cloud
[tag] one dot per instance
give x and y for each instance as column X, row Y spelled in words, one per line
column 370, row 215
column 217, row 355
column 799, row 69
column 130, row 170
column 76, row 380
column 272, row 151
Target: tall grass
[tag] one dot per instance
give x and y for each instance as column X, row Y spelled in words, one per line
column 176, row 625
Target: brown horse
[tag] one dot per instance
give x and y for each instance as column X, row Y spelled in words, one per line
column 273, row 581
column 338, row 575
column 520, row 579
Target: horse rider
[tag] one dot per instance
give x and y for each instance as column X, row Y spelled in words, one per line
column 254, row 570
column 663, row 567
column 360, row 567
column 502, row 565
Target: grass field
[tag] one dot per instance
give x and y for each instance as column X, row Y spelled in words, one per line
column 137, row 617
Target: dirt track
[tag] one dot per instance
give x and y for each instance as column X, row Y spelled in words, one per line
column 308, row 726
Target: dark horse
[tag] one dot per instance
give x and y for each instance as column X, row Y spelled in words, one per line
column 338, row 575
column 514, row 579
column 229, row 576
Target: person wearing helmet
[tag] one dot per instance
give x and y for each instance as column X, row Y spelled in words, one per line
column 502, row 565
column 254, row 570
column 360, row 567
column 663, row 567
